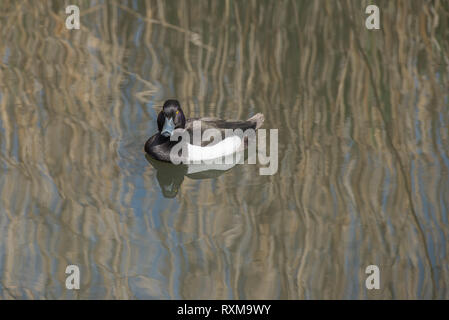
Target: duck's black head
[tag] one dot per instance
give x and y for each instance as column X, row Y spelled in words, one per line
column 170, row 118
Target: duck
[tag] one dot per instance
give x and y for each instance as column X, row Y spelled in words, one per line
column 171, row 119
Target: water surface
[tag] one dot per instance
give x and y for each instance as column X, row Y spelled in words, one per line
column 363, row 150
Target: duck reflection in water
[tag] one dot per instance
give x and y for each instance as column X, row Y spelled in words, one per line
column 171, row 176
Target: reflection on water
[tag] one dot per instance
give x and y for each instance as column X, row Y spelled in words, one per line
column 170, row 176
column 363, row 150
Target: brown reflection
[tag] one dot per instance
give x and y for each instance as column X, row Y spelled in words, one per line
column 170, row 176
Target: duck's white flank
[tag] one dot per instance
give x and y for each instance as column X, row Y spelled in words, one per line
column 221, row 149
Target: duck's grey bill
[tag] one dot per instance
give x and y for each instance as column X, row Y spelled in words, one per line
column 168, row 128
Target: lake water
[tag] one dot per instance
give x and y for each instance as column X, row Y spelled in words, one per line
column 363, row 176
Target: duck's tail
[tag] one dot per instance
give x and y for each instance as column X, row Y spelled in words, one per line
column 258, row 118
